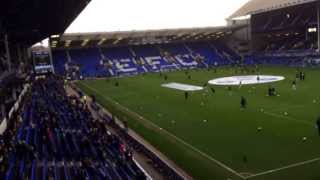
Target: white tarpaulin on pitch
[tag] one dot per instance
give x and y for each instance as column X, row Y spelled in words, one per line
column 243, row 80
column 182, row 87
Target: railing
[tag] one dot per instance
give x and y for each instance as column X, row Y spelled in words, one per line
column 15, row 108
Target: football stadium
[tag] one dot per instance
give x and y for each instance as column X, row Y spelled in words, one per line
column 229, row 102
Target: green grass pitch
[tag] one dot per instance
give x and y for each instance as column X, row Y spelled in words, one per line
column 209, row 135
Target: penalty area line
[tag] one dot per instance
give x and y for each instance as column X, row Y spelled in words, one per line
column 173, row 136
column 284, row 168
column 287, row 117
column 287, row 108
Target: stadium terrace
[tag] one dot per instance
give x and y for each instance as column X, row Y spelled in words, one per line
column 234, row 102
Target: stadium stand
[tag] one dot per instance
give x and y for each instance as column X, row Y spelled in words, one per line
column 39, row 136
column 131, row 60
column 46, row 133
column 118, row 126
column 55, row 137
column 19, row 32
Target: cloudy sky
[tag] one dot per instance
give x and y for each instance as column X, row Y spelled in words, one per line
column 127, row 15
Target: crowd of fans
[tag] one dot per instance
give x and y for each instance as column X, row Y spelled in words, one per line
column 55, row 136
column 121, row 130
column 153, row 159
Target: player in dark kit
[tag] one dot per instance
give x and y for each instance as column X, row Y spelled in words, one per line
column 213, row 90
column 302, row 76
column 294, row 85
column 318, row 125
column 186, row 95
column 271, row 91
column 245, row 159
column 243, row 102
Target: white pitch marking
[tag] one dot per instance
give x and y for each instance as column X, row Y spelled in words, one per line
column 175, row 137
column 218, row 162
column 287, row 117
column 111, row 100
column 284, row 167
column 287, row 108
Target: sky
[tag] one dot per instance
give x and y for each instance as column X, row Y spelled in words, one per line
column 128, row 15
